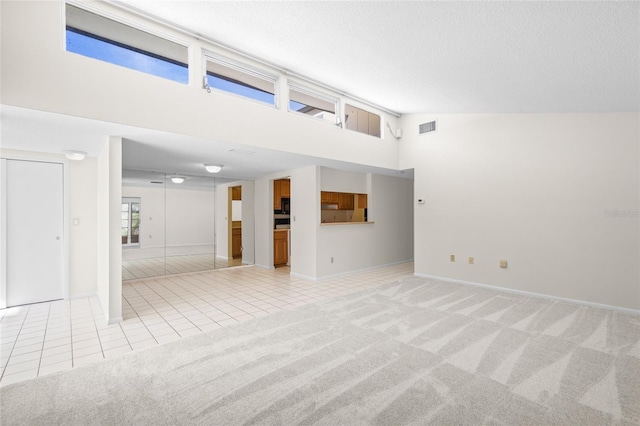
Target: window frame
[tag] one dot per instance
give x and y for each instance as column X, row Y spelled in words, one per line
column 241, row 67
column 316, row 94
column 135, row 27
column 380, row 134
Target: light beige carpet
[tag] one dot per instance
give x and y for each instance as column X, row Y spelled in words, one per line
column 413, row 352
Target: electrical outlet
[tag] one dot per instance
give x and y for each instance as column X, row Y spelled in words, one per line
column 452, row 257
column 503, row 264
column 471, row 261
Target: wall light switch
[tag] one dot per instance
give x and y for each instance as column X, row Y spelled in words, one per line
column 452, row 257
column 76, row 221
column 503, row 263
column 471, row 261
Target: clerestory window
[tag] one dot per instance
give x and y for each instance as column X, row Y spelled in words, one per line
column 233, row 77
column 97, row 37
column 362, row 121
column 312, row 104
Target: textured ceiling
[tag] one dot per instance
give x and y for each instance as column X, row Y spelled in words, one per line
column 439, row 57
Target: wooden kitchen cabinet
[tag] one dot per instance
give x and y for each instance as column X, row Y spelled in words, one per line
column 362, row 201
column 277, row 197
column 345, row 201
column 280, row 247
column 236, row 243
column 328, row 197
column 236, row 193
column 285, row 188
column 281, row 189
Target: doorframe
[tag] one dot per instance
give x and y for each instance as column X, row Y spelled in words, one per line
column 37, row 158
column 229, row 224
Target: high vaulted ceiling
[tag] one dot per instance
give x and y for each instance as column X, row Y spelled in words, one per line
column 438, row 57
column 410, row 57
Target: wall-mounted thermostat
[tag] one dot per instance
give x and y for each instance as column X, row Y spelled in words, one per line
column 420, row 200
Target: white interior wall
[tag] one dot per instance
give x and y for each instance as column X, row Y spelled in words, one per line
column 532, row 189
column 221, row 221
column 83, row 238
column 305, row 221
column 388, row 240
column 109, row 243
column 263, row 208
column 152, row 214
column 189, row 217
column 334, row 180
column 175, row 217
column 248, row 223
column 70, row 88
column 114, row 310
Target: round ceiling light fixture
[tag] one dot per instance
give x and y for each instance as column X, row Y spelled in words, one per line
column 75, row 155
column 213, row 168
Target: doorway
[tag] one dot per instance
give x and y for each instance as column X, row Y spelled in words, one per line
column 235, row 225
column 32, row 226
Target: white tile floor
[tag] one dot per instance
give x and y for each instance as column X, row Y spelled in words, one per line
column 43, row 338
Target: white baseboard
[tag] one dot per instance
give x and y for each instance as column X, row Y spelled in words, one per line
column 115, row 320
column 304, row 277
column 82, row 295
column 188, row 245
column 264, row 266
column 351, row 272
column 532, row 294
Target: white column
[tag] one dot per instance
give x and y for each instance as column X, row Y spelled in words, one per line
column 109, row 190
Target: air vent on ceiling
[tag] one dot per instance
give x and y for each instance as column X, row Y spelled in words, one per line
column 428, row 127
column 155, row 181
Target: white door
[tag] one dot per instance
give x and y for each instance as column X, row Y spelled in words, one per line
column 33, row 231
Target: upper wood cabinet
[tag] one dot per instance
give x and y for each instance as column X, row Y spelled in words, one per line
column 277, row 197
column 345, row 201
column 285, row 188
column 328, row 197
column 281, row 189
column 361, row 201
column 236, row 193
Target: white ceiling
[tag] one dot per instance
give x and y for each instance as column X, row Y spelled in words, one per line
column 438, row 57
column 409, row 57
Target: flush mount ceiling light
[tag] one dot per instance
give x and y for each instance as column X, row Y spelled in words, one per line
column 213, row 168
column 75, row 155
column 177, row 179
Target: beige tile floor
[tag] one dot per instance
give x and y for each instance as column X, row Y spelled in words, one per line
column 39, row 339
column 177, row 264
